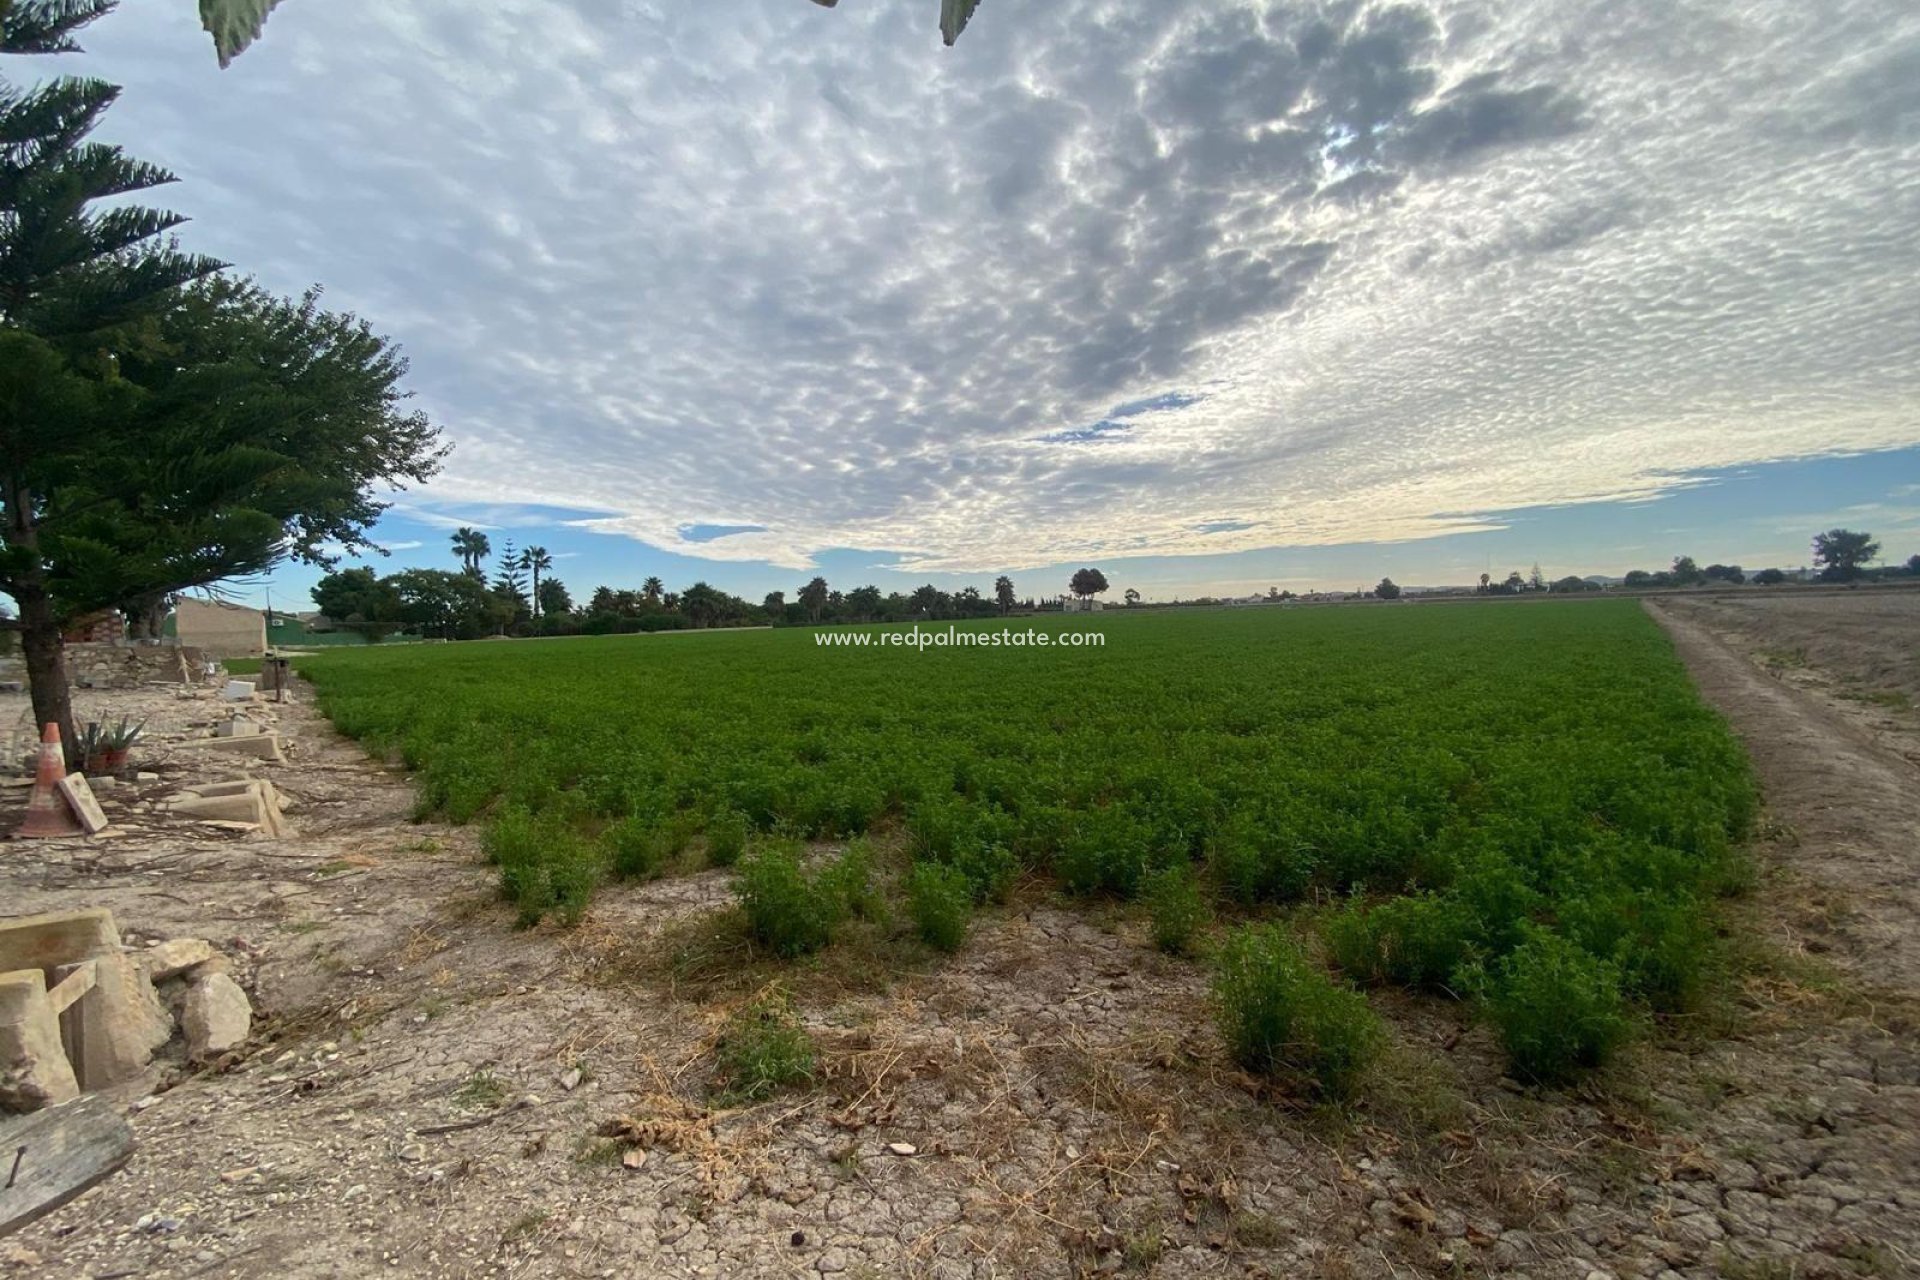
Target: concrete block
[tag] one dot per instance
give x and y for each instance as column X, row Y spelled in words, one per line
column 235, row 728
column 175, row 956
column 238, row 691
column 120, row 1022
column 78, row 793
column 261, row 746
column 216, row 1016
column 254, row 802
column 34, row 1071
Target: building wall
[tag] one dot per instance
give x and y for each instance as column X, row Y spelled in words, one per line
column 222, row 631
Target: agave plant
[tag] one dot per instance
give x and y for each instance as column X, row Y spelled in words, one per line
column 101, row 743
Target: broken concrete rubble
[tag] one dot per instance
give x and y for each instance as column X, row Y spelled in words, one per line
column 79, row 1013
column 215, row 1015
column 252, row 801
column 34, row 1070
column 264, row 746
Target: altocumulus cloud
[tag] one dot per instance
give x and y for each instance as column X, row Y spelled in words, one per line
column 1107, row 278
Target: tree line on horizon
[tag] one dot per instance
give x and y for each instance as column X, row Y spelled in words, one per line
column 521, row 597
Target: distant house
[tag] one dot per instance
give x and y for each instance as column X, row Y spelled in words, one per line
column 220, row 630
column 1080, row 604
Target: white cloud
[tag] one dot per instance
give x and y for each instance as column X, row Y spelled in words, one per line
column 761, row 264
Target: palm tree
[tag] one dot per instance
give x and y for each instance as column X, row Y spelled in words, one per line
column 536, row 561
column 472, row 547
column 653, row 589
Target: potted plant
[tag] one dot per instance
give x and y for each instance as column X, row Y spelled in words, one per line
column 104, row 749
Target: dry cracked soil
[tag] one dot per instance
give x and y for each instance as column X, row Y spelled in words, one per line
column 431, row 1092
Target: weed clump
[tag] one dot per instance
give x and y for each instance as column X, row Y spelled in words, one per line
column 1281, row 1016
column 1179, row 910
column 788, row 910
column 544, row 865
column 726, row 838
column 762, row 1050
column 1417, row 941
column 1558, row 1008
column 940, row 899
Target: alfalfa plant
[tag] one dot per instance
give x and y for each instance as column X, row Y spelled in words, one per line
column 762, row 1050
column 940, row 898
column 1281, row 1016
column 727, row 834
column 788, row 910
column 1179, row 909
column 1558, row 1008
column 545, row 866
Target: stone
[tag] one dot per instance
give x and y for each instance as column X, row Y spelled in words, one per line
column 262, row 746
column 903, row 1148
column 78, row 793
column 120, row 1022
column 216, row 1016
column 238, row 691
column 254, row 802
column 175, row 956
column 34, row 1071
column 238, row 727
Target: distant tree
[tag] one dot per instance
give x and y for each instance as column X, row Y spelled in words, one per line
column 446, row 606
column 1486, row 583
column 1913, row 566
column 1087, row 583
column 814, row 597
column 928, row 601
column 1571, row 583
column 357, row 600
column 553, row 598
column 775, row 603
column 1536, row 581
column 603, row 601
column 670, row 602
column 536, row 561
column 1686, row 573
column 653, row 590
column 1003, row 594
column 1731, row 573
column 1637, row 579
column 1769, row 577
column 1131, row 596
column 701, row 604
column 1387, row 590
column 864, row 603
column 472, row 547
column 1514, row 583
column 510, row 578
column 1843, row 553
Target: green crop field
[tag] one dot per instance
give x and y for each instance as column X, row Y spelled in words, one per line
column 1478, row 798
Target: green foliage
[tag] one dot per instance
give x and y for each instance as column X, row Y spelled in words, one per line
column 1179, row 909
column 544, row 864
column 789, row 909
column 727, row 838
column 1558, row 1009
column 848, row 882
column 1418, row 941
column 1505, row 770
column 940, row 899
column 762, row 1050
column 1281, row 1016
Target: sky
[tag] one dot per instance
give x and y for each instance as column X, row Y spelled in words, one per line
column 1214, row 295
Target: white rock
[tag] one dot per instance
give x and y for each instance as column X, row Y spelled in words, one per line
column 215, row 1015
column 175, row 956
column 903, row 1148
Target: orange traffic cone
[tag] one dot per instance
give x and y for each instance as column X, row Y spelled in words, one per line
column 47, row 811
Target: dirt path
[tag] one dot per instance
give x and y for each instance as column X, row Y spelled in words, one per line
column 1853, row 803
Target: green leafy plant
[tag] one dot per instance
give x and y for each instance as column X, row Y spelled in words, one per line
column 545, row 865
column 940, row 899
column 1281, row 1016
column 788, row 910
column 763, row 1049
column 1179, row 909
column 727, row 838
column 1558, row 1009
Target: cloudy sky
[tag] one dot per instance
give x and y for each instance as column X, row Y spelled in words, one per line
column 1214, row 294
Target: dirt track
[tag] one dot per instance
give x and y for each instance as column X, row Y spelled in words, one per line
column 1851, row 798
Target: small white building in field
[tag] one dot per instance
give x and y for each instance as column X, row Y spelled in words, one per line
column 1079, row 604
